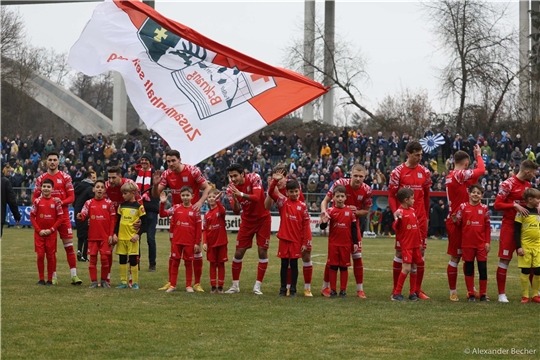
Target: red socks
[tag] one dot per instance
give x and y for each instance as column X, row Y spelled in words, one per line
column 420, row 271
column 189, row 272
column 396, row 270
column 261, row 269
column 213, row 275
column 236, row 269
column 413, row 281
column 501, row 278
column 343, row 278
column 452, row 274
column 399, row 284
column 92, row 268
column 41, row 266
column 70, row 254
column 197, row 267
column 332, row 275
column 469, row 282
column 358, row 269
column 173, row 271
column 307, row 270
column 221, row 273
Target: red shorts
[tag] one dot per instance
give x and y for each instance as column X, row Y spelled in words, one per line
column 507, row 245
column 99, row 246
column 244, row 239
column 289, row 250
column 469, row 254
column 411, row 256
column 45, row 245
column 217, row 254
column 339, row 256
column 454, row 238
column 64, row 229
column 184, row 252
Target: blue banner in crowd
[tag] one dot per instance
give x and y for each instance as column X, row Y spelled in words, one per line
column 25, row 216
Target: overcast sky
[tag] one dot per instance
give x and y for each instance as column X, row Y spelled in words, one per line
column 395, row 37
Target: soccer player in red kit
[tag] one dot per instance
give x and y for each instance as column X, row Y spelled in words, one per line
column 473, row 220
column 457, row 183
column 509, row 200
column 186, row 231
column 46, row 215
column 175, row 178
column 343, row 232
column 101, row 215
column 307, row 268
column 412, row 175
column 215, row 240
column 246, row 194
column 63, row 191
column 294, row 230
column 408, row 234
column 359, row 201
column 113, row 190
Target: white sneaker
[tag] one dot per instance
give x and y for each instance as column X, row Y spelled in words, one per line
column 189, row 289
column 170, row 289
column 233, row 290
column 257, row 290
column 503, row 298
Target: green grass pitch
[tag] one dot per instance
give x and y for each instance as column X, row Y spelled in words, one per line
column 67, row 322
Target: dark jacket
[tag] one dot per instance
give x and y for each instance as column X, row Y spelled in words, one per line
column 9, row 198
column 83, row 193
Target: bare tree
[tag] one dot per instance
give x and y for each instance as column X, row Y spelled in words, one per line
column 348, row 67
column 482, row 49
column 409, row 111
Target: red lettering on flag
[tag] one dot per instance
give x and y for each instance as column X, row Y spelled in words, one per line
column 255, row 77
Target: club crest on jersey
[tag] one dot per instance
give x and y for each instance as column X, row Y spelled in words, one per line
column 52, row 206
column 468, row 222
column 360, row 197
column 93, row 217
column 184, row 178
column 298, row 208
column 409, row 227
column 420, row 175
column 58, row 181
column 190, row 213
column 480, row 212
column 103, row 206
column 132, row 212
column 347, row 213
column 249, row 189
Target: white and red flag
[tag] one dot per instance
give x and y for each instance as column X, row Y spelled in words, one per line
column 199, row 95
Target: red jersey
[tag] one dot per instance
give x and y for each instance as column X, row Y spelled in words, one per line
column 114, row 193
column 340, row 224
column 361, row 197
column 407, row 230
column 419, row 180
column 186, row 224
column 101, row 216
column 475, row 227
column 510, row 192
column 252, row 210
column 295, row 222
column 46, row 214
column 215, row 231
column 190, row 176
column 63, row 188
column 457, row 183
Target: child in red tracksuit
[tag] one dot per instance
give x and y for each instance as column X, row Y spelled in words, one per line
column 102, row 218
column 186, row 231
column 215, row 240
column 46, row 216
column 408, row 235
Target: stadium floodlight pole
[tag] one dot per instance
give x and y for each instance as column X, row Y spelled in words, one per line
column 309, row 52
column 329, row 52
column 524, row 41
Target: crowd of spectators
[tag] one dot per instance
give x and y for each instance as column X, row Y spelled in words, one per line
column 315, row 160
